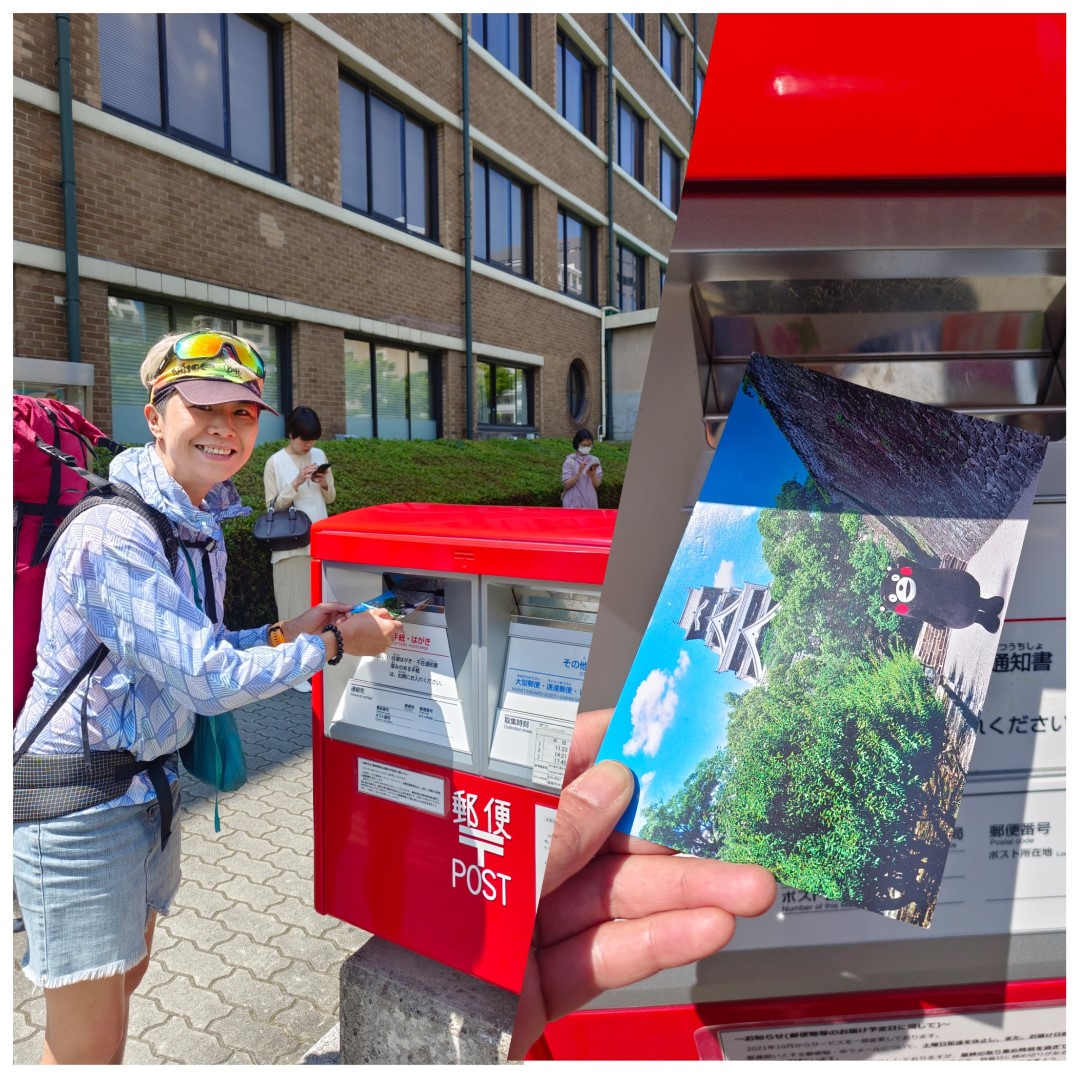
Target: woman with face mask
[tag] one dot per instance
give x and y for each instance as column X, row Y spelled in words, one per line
column 581, row 474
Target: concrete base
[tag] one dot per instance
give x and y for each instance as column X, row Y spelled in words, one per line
column 400, row 1008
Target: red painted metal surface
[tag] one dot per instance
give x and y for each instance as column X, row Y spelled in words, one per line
column 667, row 1033
column 805, row 97
column 503, row 541
column 402, row 873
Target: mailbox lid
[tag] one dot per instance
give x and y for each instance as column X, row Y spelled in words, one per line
column 843, row 96
column 543, row 542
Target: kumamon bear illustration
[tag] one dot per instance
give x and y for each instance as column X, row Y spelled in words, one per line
column 946, row 599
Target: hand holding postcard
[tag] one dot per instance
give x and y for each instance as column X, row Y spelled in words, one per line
column 807, row 692
column 405, row 595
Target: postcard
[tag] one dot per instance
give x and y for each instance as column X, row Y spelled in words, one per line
column 405, row 595
column 807, row 692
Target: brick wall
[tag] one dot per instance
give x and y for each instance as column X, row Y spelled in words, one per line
column 139, row 208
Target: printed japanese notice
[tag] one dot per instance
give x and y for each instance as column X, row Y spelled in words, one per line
column 1022, row 1034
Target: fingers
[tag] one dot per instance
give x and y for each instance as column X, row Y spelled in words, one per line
column 589, row 729
column 639, row 886
column 588, row 810
column 617, row 954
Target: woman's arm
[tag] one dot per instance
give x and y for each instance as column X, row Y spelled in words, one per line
column 281, row 498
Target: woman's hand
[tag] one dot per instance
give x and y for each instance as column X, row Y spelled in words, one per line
column 313, row 620
column 368, row 633
column 615, row 909
column 301, row 478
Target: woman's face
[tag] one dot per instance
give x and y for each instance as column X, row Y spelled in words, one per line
column 301, row 446
column 202, row 445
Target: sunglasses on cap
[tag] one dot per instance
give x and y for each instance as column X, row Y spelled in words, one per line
column 209, row 354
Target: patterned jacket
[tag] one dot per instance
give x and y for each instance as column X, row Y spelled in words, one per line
column 108, row 580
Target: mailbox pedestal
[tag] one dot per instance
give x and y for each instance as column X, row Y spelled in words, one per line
column 437, row 766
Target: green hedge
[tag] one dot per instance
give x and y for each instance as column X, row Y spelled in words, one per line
column 367, row 472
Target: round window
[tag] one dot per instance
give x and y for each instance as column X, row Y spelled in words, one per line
column 577, row 399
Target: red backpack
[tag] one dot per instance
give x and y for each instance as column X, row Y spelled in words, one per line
column 54, row 444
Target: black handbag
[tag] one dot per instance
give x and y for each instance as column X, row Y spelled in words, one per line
column 283, row 530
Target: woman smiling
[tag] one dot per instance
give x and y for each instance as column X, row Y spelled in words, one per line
column 95, row 866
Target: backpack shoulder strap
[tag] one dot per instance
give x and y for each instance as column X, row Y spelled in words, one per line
column 116, row 493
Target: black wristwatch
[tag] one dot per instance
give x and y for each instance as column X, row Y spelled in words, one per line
column 340, row 643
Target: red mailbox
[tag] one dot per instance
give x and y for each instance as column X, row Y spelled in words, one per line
column 437, row 766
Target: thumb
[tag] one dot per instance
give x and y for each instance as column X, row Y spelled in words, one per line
column 588, row 811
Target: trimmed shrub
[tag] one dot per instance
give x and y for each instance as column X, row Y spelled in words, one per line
column 369, row 472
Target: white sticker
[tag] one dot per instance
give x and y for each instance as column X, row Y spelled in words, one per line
column 409, row 716
column 544, row 677
column 1036, row 1034
column 418, row 661
column 549, row 752
column 419, row 790
column 545, row 828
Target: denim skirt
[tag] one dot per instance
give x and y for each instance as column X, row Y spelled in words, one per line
column 86, row 885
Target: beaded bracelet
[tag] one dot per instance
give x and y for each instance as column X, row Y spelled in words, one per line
column 340, row 643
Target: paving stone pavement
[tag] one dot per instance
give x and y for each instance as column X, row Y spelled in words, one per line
column 243, row 971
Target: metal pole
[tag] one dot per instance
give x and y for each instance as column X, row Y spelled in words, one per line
column 466, row 154
column 67, row 186
column 605, row 345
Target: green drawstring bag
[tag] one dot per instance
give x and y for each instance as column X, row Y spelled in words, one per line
column 215, row 754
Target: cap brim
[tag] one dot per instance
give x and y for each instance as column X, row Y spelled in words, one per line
column 218, row 391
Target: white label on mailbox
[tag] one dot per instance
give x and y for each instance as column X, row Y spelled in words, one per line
column 544, row 677
column 545, row 827
column 1036, row 1034
column 1022, row 724
column 419, row 790
column 512, row 736
column 550, row 750
column 419, row 660
column 483, row 829
column 406, row 715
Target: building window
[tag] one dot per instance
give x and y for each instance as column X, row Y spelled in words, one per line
column 637, row 24
column 134, row 325
column 386, row 160
column 505, row 395
column 670, row 50
column 390, row 392
column 210, row 80
column 577, row 260
column 577, row 401
column 670, row 177
column 631, row 148
column 663, row 278
column 630, row 279
column 699, row 87
column 506, row 37
column 575, row 86
column 502, row 226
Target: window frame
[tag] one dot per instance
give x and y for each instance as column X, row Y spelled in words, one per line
column 564, row 43
column 526, row 219
column 577, row 373
column 276, row 102
column 492, row 426
column 699, row 87
column 435, row 373
column 524, row 58
column 589, row 276
column 675, row 75
column 622, row 105
column 676, row 189
column 636, row 22
column 430, row 173
column 622, row 249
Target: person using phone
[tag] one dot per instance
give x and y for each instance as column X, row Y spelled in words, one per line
column 582, row 474
column 297, row 475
